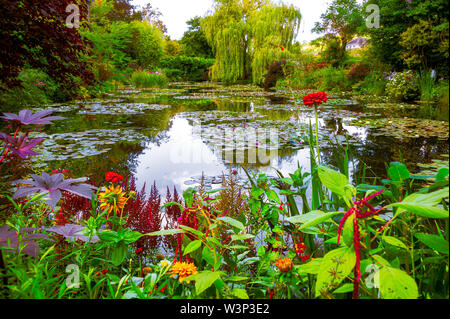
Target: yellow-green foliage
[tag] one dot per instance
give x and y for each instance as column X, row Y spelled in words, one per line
column 246, row 36
column 147, row 44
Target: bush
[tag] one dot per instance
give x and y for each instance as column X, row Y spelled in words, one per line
column 358, row 72
column 174, row 74
column 147, row 45
column 192, row 69
column 148, row 79
column 37, row 89
column 331, row 78
column 403, row 86
column 374, row 83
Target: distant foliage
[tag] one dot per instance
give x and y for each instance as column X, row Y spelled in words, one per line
column 248, row 36
column 194, row 41
column 147, row 43
column 189, row 68
column 403, row 86
column 358, row 72
column 148, row 79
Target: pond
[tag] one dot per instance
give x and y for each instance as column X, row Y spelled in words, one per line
column 172, row 136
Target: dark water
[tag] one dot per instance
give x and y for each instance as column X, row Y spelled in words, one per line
column 171, row 136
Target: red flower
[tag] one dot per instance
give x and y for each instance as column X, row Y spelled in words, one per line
column 315, row 98
column 281, row 207
column 281, row 47
column 356, row 211
column 114, row 177
column 304, row 258
column 138, row 251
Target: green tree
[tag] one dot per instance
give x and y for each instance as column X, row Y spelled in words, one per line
column 172, row 48
column 194, row 41
column 412, row 33
column 343, row 19
column 246, row 36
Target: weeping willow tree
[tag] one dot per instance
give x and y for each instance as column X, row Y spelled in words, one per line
column 247, row 35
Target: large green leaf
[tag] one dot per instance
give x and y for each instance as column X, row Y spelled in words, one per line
column 394, row 242
column 398, row 171
column 204, row 280
column 335, row 266
column 312, row 218
column 433, row 241
column 347, row 231
column 422, row 210
column 240, row 293
column 119, row 254
column 192, row 246
column 397, row 284
column 312, row 267
column 232, row 222
column 336, row 182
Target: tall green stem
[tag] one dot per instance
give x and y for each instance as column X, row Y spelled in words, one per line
column 317, row 133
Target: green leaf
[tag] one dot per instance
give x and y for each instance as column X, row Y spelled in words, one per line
column 172, row 204
column 344, row 289
column 347, row 231
column 236, row 278
column 192, row 230
column 192, row 246
column 273, row 196
column 119, row 253
column 241, row 237
column 334, row 268
column 166, row 232
column 232, row 222
column 208, row 256
column 394, row 242
column 397, row 284
column 108, row 236
column 132, row 236
column 398, row 171
column 433, row 241
column 442, row 174
column 334, row 181
column 204, row 280
column 312, row 267
column 240, row 293
column 422, row 210
column 312, row 218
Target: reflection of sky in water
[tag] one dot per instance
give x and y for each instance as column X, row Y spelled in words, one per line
column 184, row 155
column 181, row 157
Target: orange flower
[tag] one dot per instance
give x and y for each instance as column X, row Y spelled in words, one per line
column 146, row 270
column 284, row 264
column 183, row 270
column 113, row 199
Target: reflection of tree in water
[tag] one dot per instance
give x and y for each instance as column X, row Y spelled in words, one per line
column 376, row 151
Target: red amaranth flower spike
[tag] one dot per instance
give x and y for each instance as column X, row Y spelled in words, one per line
column 356, row 210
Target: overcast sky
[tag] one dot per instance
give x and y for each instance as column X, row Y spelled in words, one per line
column 175, row 13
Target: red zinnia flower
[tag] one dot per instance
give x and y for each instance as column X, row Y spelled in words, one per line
column 315, row 98
column 113, row 177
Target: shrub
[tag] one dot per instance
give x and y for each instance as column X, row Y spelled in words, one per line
column 274, row 72
column 331, row 78
column 192, row 69
column 374, row 83
column 358, row 72
column 426, row 85
column 148, row 79
column 403, row 86
column 37, row 89
column 148, row 43
column 174, row 74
